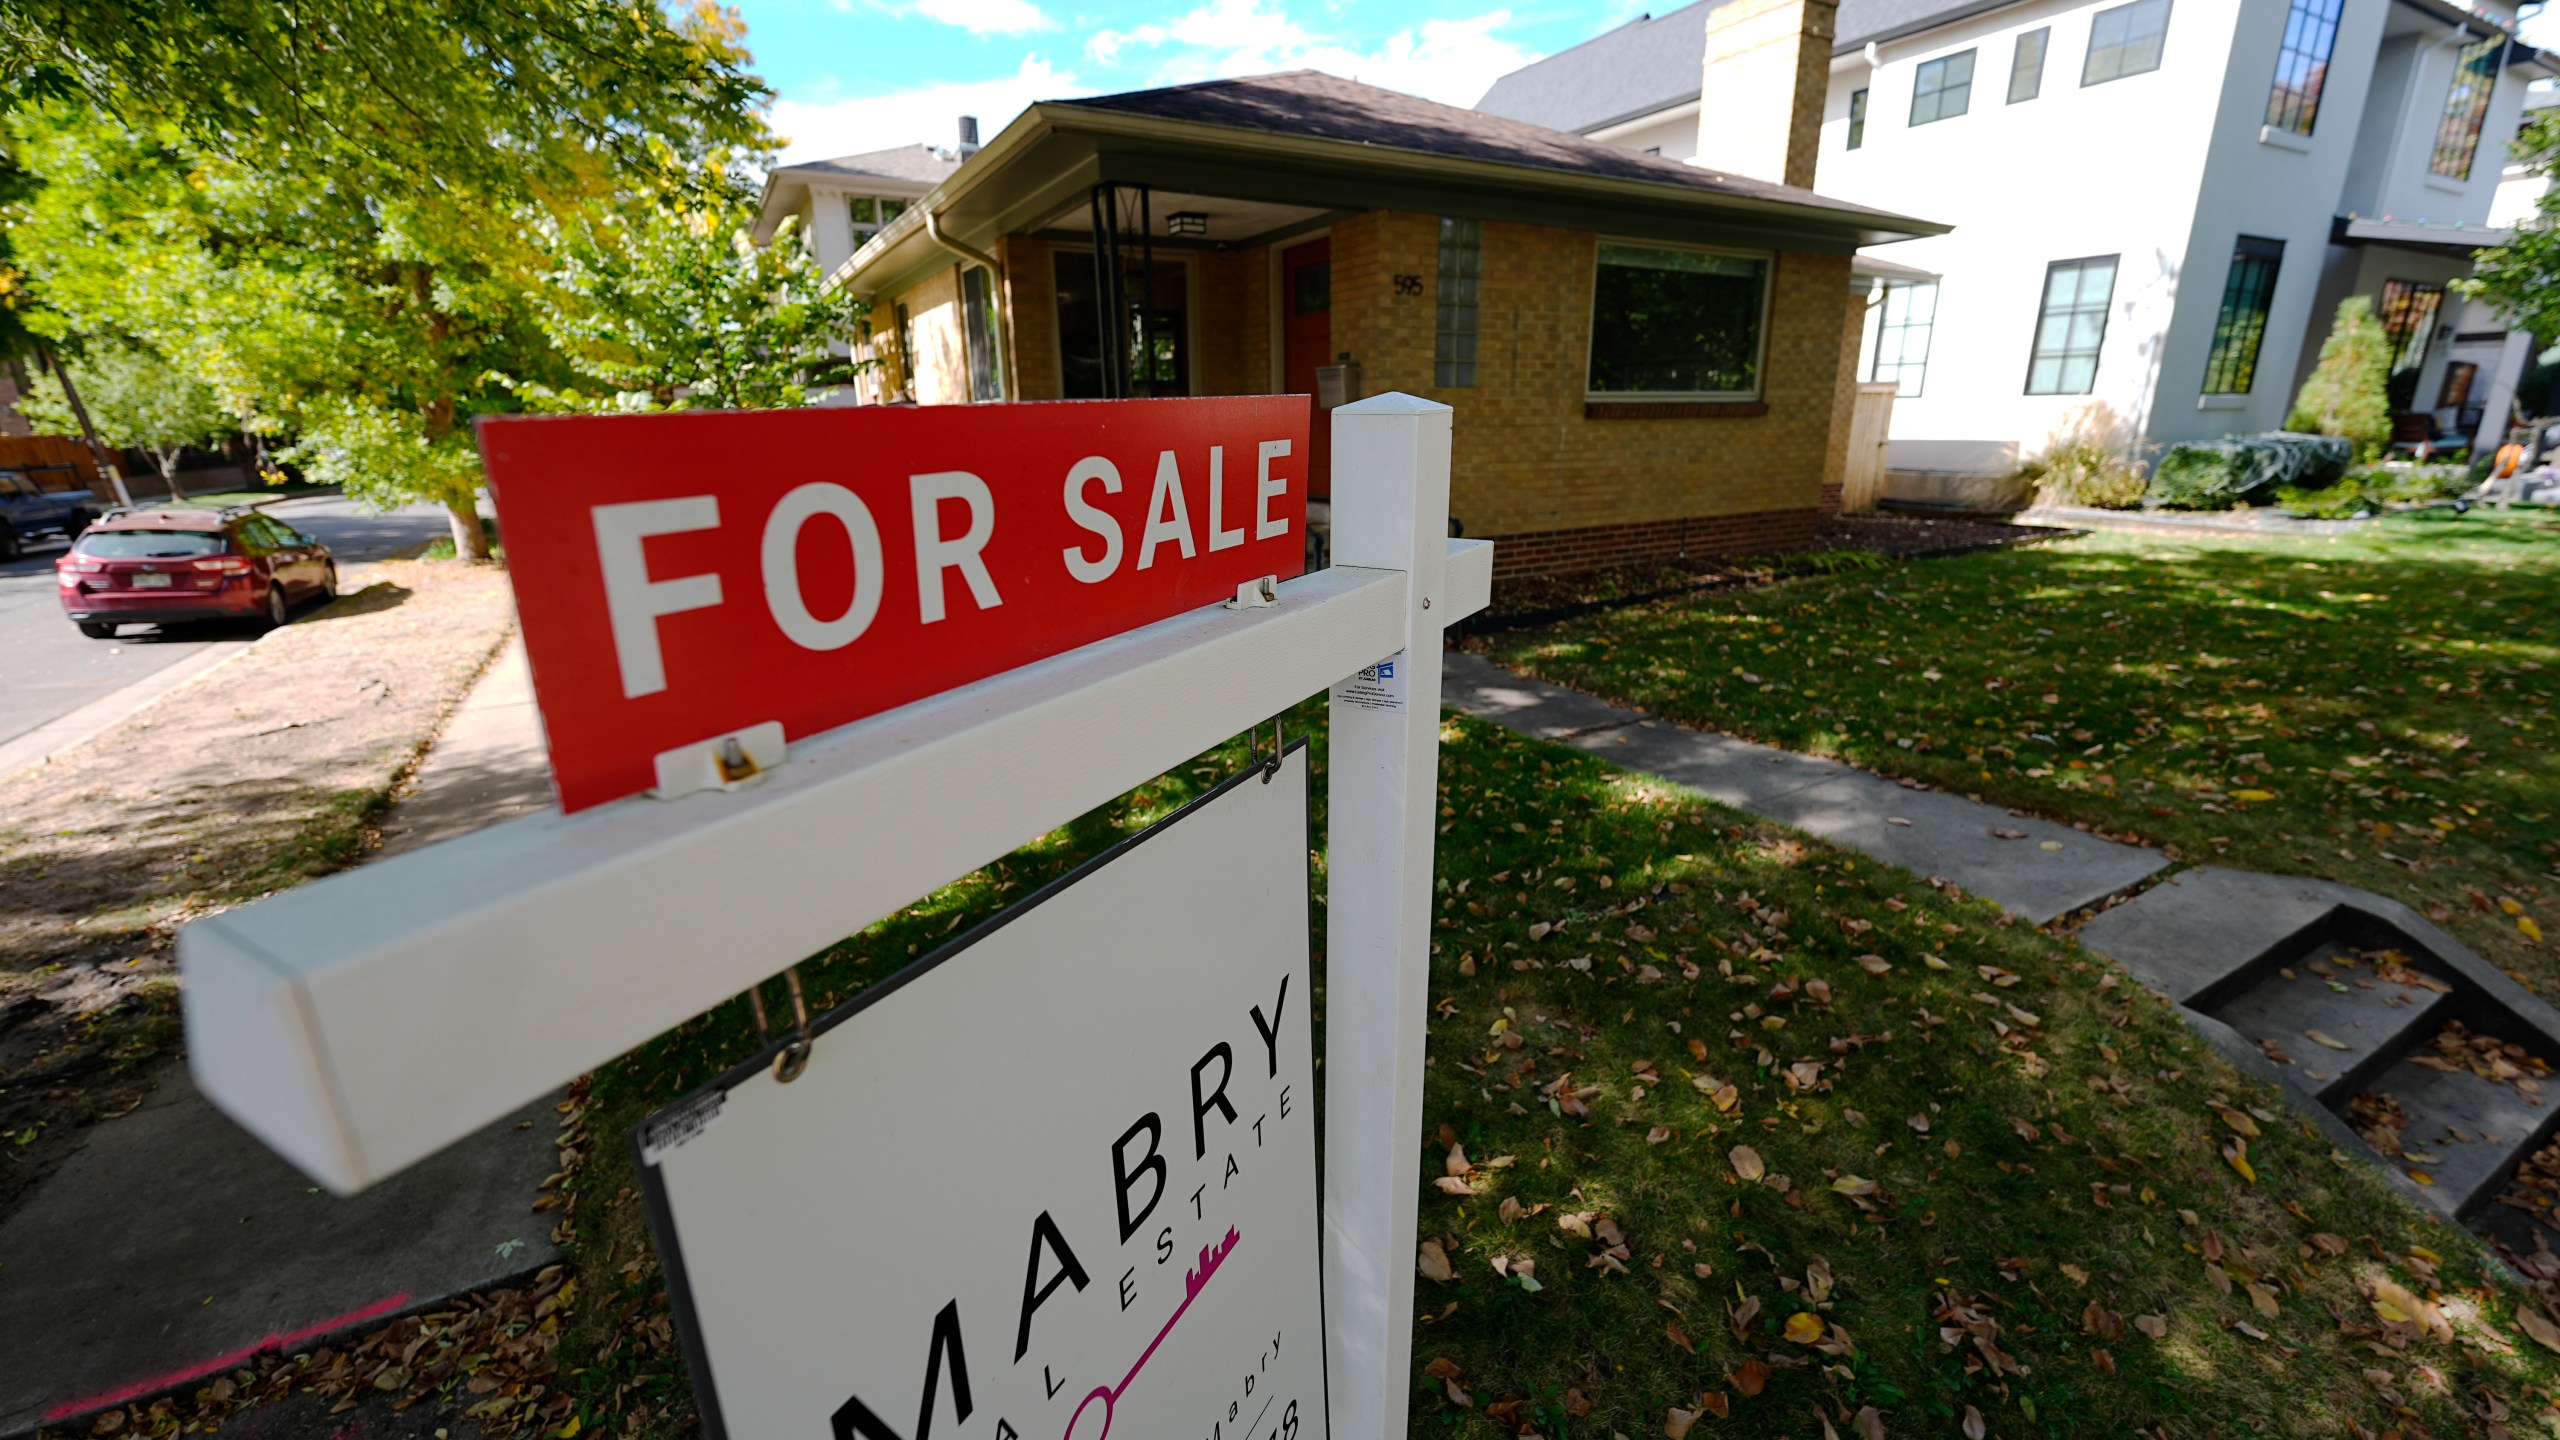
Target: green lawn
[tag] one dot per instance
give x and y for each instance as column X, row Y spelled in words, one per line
column 2374, row 709
column 1959, row 1122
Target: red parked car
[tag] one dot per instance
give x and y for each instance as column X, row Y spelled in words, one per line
column 160, row 567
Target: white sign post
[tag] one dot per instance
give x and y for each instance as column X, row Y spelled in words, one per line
column 360, row 1023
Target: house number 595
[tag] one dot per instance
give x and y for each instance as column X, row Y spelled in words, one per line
column 1408, row 284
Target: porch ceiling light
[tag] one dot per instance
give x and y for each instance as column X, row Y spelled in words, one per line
column 1186, row 222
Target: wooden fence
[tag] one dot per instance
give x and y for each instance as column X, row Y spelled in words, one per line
column 1870, row 420
column 54, row 462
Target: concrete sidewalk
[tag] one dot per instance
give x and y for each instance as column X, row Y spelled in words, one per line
column 174, row 1245
column 2048, row 871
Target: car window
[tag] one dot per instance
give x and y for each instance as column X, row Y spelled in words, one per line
column 16, row 486
column 273, row 532
column 148, row 544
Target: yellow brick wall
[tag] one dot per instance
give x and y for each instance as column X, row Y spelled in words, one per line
column 1525, row 458
column 940, row 365
column 1031, row 317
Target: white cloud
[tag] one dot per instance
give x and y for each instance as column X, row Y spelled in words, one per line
column 1452, row 61
column 987, row 17
column 927, row 114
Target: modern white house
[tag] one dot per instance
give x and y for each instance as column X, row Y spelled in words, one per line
column 2158, row 204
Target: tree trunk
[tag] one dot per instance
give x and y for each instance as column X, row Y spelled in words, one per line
column 169, row 471
column 97, row 451
column 469, row 541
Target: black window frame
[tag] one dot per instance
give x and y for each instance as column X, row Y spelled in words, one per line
column 1758, row 363
column 2240, row 325
column 1457, row 303
column 2044, row 310
column 1962, row 89
column 2409, row 311
column 2302, row 65
column 1857, row 117
column 2021, row 67
column 2466, row 110
column 2125, row 42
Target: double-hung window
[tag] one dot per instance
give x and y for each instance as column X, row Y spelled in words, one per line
column 2026, row 65
column 2071, row 325
column 2475, row 73
column 1677, row 322
column 2241, row 328
column 2125, row 41
column 870, row 213
column 2302, row 64
column 1857, row 118
column 1904, row 315
column 1942, row 88
column 1453, row 358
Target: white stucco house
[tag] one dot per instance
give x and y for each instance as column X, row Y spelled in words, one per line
column 2158, row 204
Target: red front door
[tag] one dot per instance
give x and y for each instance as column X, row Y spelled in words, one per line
column 1306, row 309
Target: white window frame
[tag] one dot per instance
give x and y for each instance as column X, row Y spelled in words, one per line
column 1591, row 330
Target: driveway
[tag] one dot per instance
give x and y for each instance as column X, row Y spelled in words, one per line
column 47, row 669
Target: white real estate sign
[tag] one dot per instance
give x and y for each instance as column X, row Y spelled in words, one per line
column 1055, row 1181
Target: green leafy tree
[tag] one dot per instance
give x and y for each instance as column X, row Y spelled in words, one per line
column 337, row 222
column 2521, row 279
column 2348, row 392
column 136, row 399
column 674, row 309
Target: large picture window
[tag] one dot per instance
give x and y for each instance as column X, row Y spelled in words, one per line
column 2241, row 328
column 1453, row 360
column 2026, row 65
column 1905, row 313
column 1942, row 89
column 1677, row 322
column 2475, row 74
column 2302, row 65
column 2125, row 41
column 2071, row 325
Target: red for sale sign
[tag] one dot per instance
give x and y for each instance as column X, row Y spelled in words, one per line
column 684, row 577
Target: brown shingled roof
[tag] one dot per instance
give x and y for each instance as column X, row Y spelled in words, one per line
column 1327, row 107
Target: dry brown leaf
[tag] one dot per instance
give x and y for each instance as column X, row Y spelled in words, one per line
column 1434, row 1263
column 2539, row 1326
column 1457, row 1164
column 1676, row 1424
column 1974, row 1429
column 2154, row 1326
column 1746, row 1163
column 1751, row 1377
column 1452, row 1185
column 1679, row 1336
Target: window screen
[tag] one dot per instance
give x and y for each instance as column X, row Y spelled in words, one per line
column 2302, row 65
column 1676, row 322
column 2071, row 324
column 1943, row 88
column 2241, row 328
column 2026, row 65
column 2125, row 41
column 1461, row 263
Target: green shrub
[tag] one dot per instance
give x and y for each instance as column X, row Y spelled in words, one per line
column 2246, row 469
column 2348, row 393
column 2374, row 488
column 2095, row 459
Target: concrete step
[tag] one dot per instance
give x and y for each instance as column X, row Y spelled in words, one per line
column 2330, row 990
column 2466, row 1134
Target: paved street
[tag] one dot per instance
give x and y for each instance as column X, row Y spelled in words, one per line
column 48, row 669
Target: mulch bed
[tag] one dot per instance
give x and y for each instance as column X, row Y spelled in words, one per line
column 1526, row 600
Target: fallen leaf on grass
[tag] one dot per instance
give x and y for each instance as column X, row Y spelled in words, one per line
column 1678, row 1336
column 2154, row 1326
column 1974, row 1429
column 1874, row 964
column 2253, row 796
column 1716, row 1403
column 1451, row 1184
column 1804, row 1327
column 1456, row 1163
column 1434, row 1263
column 1854, row 1185
column 1676, row 1423
column 2263, row 1299
column 1746, row 1163
column 2531, row 931
column 2539, row 1326
column 1751, row 1377
column 2237, row 1152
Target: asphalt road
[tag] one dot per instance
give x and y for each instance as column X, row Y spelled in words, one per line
column 48, row 669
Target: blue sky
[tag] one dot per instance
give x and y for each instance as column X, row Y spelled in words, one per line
column 858, row 75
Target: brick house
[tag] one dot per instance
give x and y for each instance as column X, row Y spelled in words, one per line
column 1647, row 359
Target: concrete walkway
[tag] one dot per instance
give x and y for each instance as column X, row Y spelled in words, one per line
column 173, row 1245
column 2047, row 871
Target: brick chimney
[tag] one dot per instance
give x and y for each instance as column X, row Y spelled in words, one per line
column 1760, row 101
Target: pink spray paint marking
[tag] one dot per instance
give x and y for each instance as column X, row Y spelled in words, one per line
column 1109, row 1395
column 279, row 1342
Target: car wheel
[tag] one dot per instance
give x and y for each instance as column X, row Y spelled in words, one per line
column 97, row 631
column 8, row 543
column 277, row 613
column 329, row 583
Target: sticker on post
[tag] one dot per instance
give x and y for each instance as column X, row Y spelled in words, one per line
column 1378, row 687
column 667, row 1133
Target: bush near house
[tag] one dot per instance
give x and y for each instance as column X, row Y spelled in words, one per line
column 2094, row 459
column 2247, row 469
column 2349, row 390
column 2371, row 489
